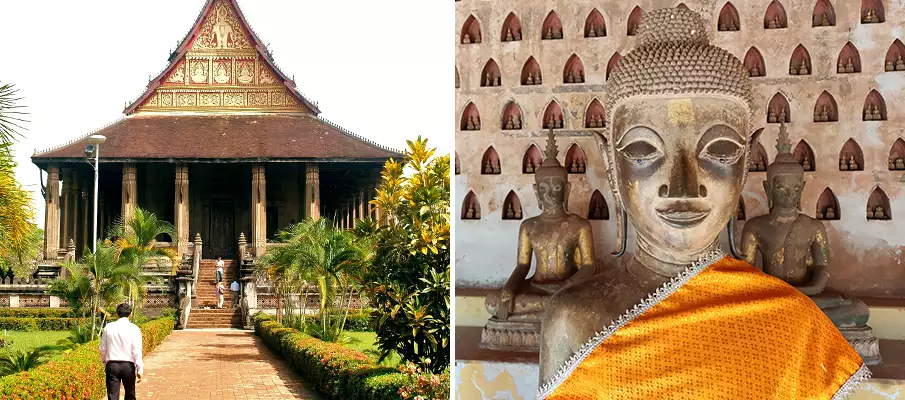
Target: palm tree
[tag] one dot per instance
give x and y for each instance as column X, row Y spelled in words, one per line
column 110, row 281
column 16, row 211
column 75, row 287
column 136, row 244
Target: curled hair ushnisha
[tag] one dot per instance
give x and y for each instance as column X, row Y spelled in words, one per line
column 673, row 56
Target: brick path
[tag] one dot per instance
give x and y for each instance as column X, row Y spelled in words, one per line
column 221, row 364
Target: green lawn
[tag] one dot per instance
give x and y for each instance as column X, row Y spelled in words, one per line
column 365, row 341
column 26, row 341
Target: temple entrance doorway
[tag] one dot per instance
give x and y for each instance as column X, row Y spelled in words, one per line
column 219, row 235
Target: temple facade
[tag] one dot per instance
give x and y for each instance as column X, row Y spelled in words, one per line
column 832, row 70
column 221, row 144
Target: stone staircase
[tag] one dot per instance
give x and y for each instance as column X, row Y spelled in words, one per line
column 205, row 313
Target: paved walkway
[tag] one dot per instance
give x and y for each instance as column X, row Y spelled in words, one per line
column 221, row 364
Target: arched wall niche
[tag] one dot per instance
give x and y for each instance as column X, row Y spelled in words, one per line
column 872, row 12
column 458, row 165
column 553, row 116
column 576, row 161
column 828, row 206
column 775, row 16
column 594, row 116
column 800, row 62
column 878, row 205
column 594, row 25
column 471, row 209
column 490, row 75
column 512, row 29
column 471, row 31
column 633, row 20
column 490, row 162
column 754, row 62
column 778, row 110
column 552, row 27
column 895, row 57
column 573, row 72
column 532, row 160
column 824, row 14
column 874, row 107
column 512, row 116
column 759, row 159
column 849, row 61
column 851, row 158
column 512, row 207
column 531, row 74
column 825, row 109
column 896, row 160
column 728, row 19
column 611, row 65
column 471, row 119
column 597, row 207
column 805, row 156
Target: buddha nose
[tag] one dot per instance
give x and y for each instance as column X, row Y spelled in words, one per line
column 683, row 179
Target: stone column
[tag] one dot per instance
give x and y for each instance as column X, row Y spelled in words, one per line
column 363, row 203
column 312, row 191
column 258, row 209
column 181, row 214
column 86, row 220
column 66, row 206
column 130, row 191
column 52, row 214
column 101, row 214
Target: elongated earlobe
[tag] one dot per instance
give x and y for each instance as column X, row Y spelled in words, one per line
column 730, row 228
column 622, row 224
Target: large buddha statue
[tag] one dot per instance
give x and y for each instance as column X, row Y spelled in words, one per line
column 562, row 245
column 794, row 248
column 681, row 319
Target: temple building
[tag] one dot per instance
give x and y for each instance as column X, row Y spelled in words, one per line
column 221, row 143
column 832, row 70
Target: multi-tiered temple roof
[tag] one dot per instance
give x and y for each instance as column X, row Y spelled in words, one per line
column 222, row 97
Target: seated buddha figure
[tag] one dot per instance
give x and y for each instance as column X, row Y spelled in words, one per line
column 794, row 248
column 562, row 245
column 681, row 319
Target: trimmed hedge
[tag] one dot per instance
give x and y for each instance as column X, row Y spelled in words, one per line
column 36, row 313
column 38, row 324
column 334, row 370
column 78, row 374
column 354, row 322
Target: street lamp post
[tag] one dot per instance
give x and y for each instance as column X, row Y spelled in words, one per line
column 94, row 147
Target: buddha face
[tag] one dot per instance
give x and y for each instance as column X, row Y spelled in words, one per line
column 552, row 191
column 679, row 165
column 786, row 191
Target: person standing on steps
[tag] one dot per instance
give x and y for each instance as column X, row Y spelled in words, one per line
column 219, row 270
column 234, row 293
column 121, row 354
column 220, row 290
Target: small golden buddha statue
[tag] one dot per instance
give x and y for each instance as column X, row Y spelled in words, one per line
column 794, row 248
column 676, row 320
column 562, row 244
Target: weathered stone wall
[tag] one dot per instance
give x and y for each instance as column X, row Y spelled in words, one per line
column 867, row 253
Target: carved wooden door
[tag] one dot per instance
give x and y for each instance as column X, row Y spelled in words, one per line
column 221, row 241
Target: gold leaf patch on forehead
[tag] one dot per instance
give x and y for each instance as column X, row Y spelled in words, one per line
column 680, row 111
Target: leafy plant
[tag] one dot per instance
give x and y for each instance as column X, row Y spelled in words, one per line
column 22, row 360
column 16, row 210
column 79, row 335
column 408, row 279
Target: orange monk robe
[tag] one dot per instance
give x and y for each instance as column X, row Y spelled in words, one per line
column 721, row 330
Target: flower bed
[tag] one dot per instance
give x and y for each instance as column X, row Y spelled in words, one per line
column 78, row 374
column 334, row 370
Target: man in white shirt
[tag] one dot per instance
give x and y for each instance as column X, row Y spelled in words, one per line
column 234, row 293
column 121, row 354
column 219, row 270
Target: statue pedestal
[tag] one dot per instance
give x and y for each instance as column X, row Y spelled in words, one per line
column 864, row 341
column 519, row 336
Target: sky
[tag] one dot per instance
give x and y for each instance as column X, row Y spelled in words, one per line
column 384, row 70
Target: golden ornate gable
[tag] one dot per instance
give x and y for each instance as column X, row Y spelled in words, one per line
column 221, row 66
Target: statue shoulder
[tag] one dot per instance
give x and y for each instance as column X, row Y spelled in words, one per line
column 572, row 300
column 754, row 224
column 579, row 221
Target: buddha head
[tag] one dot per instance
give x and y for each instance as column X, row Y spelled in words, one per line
column 678, row 146
column 551, row 180
column 785, row 176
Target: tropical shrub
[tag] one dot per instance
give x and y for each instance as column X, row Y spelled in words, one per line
column 36, row 313
column 77, row 374
column 407, row 281
column 22, row 360
column 332, row 369
column 26, row 324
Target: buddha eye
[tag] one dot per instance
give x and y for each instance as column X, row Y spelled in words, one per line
column 722, row 151
column 641, row 152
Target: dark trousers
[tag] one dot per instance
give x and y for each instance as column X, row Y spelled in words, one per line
column 120, row 371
